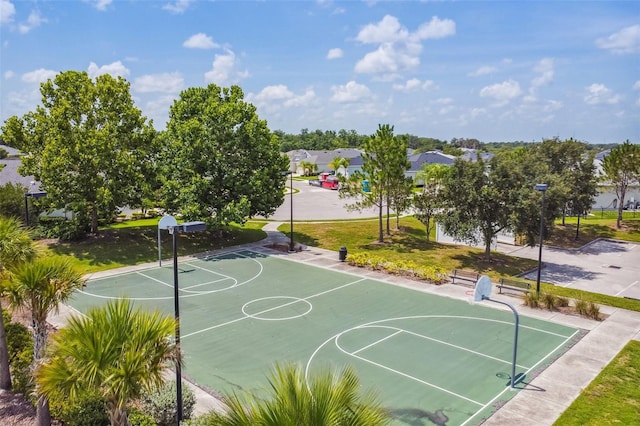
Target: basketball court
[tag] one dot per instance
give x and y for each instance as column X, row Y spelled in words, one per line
column 431, row 359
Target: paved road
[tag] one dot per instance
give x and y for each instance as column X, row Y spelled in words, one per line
column 313, row 203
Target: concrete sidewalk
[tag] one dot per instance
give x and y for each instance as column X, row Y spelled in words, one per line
column 541, row 399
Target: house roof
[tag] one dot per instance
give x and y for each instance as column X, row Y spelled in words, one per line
column 429, row 157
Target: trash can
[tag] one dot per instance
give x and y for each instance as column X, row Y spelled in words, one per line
column 342, row 254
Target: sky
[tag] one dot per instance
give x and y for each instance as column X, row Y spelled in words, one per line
column 496, row 71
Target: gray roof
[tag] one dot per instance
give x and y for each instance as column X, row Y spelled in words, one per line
column 429, row 157
column 10, row 173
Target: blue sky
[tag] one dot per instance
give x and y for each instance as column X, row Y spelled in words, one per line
column 491, row 70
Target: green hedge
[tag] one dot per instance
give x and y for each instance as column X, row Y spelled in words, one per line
column 408, row 268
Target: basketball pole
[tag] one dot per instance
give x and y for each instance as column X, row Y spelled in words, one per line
column 515, row 339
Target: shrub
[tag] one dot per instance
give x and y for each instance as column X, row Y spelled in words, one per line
column 86, row 409
column 402, row 267
column 138, row 418
column 62, row 228
column 593, row 311
column 531, row 299
column 563, row 302
column 12, row 201
column 20, row 349
column 582, row 307
column 161, row 404
column 550, row 301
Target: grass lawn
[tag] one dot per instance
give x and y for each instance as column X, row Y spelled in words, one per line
column 133, row 242
column 612, row 398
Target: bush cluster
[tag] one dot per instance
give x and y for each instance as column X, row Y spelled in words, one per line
column 161, row 404
column 20, row 349
column 432, row 274
column 553, row 303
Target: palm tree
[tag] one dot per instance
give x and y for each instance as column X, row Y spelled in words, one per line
column 114, row 350
column 40, row 286
column 327, row 399
column 308, row 167
column 16, row 247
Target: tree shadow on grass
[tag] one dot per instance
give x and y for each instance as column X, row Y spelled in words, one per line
column 131, row 246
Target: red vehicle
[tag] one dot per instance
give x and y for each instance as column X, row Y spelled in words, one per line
column 326, row 180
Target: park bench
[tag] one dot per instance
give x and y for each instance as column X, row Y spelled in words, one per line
column 468, row 277
column 511, row 284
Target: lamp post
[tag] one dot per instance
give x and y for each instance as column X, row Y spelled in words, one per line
column 175, row 230
column 543, row 188
column 32, row 194
column 291, row 243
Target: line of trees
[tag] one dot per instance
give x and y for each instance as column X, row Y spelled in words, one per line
column 93, row 152
column 474, row 201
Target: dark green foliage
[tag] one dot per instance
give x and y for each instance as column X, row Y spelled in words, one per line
column 12, row 200
column 87, row 409
column 138, row 418
column 221, row 163
column 161, row 404
column 20, row 348
column 62, row 228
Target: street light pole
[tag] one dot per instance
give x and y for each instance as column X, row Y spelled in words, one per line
column 542, row 187
column 175, row 229
column 291, row 243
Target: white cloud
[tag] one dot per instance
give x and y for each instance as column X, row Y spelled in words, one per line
column 38, row 76
column 100, row 4
column 598, row 94
column 164, row 83
column 627, row 40
column 546, row 70
column 33, row 21
column 301, row 100
column 436, row 28
column 502, row 92
column 414, row 83
column 398, row 49
column 178, row 6
column 636, row 85
column 278, row 92
column 388, row 30
column 484, row 70
column 271, row 95
column 115, row 69
column 9, row 74
column 7, row 12
column 335, row 53
column 200, row 41
column 350, row 92
column 222, row 68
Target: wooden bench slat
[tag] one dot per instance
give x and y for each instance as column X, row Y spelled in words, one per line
column 512, row 284
column 464, row 275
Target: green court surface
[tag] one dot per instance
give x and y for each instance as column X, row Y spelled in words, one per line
column 431, row 359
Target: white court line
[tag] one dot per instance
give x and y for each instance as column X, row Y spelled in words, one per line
column 627, row 288
column 418, row 380
column 154, row 279
column 376, row 342
column 274, row 308
column 452, row 345
column 527, row 372
column 207, row 283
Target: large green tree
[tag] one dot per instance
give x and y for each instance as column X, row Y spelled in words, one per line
column 479, row 201
column 384, row 164
column 16, row 247
column 621, row 168
column 115, row 350
column 326, row 399
column 87, row 144
column 221, row 163
column 40, row 286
